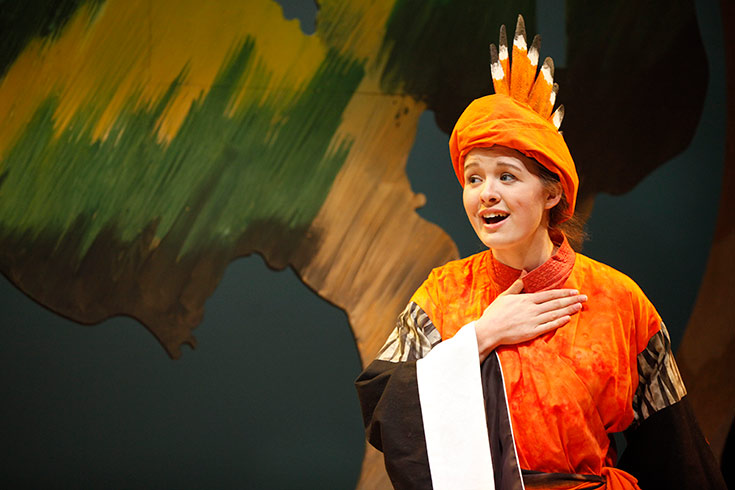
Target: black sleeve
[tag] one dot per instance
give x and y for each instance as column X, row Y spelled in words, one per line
column 668, row 451
column 665, row 446
column 389, row 398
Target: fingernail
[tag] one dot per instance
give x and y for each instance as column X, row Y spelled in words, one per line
column 583, row 297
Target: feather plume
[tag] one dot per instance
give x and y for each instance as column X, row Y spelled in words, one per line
column 543, row 96
column 533, row 52
column 503, row 55
column 558, row 116
column 519, row 78
column 500, row 80
column 522, row 70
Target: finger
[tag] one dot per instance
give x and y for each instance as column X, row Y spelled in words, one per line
column 553, row 315
column 560, row 303
column 553, row 324
column 515, row 288
column 543, row 296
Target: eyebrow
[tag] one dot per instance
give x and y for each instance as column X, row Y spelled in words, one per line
column 500, row 164
column 511, row 165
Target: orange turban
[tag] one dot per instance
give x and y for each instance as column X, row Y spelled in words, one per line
column 503, row 121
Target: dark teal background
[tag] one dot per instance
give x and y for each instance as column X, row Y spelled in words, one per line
column 266, row 400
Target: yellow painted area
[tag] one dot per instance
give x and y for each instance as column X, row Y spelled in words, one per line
column 19, row 96
column 94, row 63
column 138, row 47
column 202, row 34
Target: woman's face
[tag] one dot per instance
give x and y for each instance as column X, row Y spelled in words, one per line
column 506, row 200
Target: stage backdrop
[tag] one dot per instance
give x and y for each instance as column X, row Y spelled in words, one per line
column 145, row 145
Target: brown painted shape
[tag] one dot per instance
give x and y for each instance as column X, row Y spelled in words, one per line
column 374, row 250
column 707, row 353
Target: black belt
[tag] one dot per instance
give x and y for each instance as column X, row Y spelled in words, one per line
column 539, row 479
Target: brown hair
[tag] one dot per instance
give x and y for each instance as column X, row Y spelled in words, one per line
column 572, row 228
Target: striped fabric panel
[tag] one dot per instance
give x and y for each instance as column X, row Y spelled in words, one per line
column 413, row 337
column 660, row 383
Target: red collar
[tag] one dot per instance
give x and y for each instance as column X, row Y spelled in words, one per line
column 549, row 275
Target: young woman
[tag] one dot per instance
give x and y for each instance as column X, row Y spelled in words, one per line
column 516, row 365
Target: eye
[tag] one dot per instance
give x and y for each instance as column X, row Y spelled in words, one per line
column 507, row 177
column 473, row 179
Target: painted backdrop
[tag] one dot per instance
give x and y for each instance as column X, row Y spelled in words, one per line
column 146, row 144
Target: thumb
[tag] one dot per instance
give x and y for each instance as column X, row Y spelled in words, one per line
column 515, row 288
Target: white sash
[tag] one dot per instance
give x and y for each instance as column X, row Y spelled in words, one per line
column 453, row 411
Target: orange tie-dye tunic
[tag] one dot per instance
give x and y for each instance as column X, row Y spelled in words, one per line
column 569, row 389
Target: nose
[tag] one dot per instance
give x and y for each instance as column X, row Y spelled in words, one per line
column 489, row 193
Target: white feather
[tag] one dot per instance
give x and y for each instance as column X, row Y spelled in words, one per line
column 497, row 71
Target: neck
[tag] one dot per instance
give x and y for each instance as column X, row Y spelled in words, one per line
column 529, row 256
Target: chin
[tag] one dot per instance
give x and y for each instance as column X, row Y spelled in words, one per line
column 499, row 245
column 502, row 241
column 496, row 242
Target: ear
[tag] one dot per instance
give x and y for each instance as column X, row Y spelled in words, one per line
column 553, row 197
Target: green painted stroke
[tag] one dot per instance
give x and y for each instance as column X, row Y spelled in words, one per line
column 439, row 48
column 22, row 20
column 271, row 161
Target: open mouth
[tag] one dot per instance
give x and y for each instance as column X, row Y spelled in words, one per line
column 493, row 218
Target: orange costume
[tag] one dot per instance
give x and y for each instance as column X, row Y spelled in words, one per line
column 610, row 369
column 569, row 389
column 541, row 413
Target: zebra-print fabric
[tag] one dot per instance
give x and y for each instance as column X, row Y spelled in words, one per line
column 659, row 381
column 413, row 337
